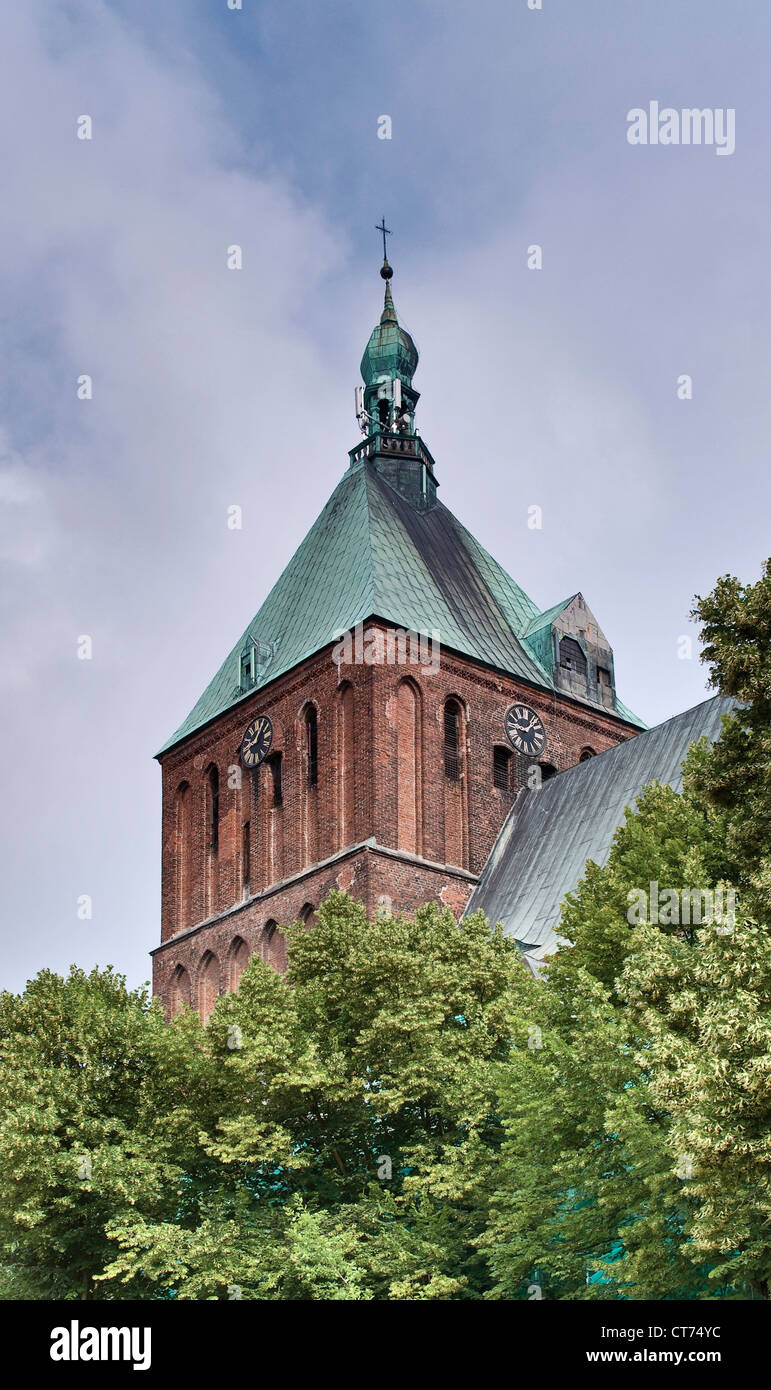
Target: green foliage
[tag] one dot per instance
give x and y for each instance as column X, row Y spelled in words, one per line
column 100, row 1100
column 410, row 1115
column 734, row 775
column 638, row 1146
column 271, row 1153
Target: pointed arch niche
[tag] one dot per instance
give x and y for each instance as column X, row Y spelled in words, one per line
column 455, row 784
column 208, row 985
column 212, row 846
column 273, row 946
column 409, row 767
column 346, row 815
column 179, row 990
column 309, row 719
column 238, row 959
column 182, row 827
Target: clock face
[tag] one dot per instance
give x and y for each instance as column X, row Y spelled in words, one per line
column 525, row 730
column 257, row 741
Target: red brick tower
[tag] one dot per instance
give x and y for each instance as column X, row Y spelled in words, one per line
column 371, row 727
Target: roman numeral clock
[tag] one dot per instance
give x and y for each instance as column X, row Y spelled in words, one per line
column 257, row 741
column 525, row 731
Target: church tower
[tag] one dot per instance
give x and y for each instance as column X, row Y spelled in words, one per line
column 371, row 727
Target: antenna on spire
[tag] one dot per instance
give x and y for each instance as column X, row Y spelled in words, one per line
column 386, row 271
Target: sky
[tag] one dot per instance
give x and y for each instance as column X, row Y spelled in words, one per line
column 210, row 387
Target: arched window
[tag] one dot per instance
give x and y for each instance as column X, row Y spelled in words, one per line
column 309, row 841
column 502, row 769
column 238, row 959
column 408, row 769
column 346, row 832
column 587, row 753
column 452, row 729
column 312, row 745
column 208, row 985
column 179, row 990
column 307, row 915
column 456, row 850
column 182, row 828
column 548, row 770
column 572, row 656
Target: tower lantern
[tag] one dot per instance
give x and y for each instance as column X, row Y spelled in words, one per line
column 390, row 359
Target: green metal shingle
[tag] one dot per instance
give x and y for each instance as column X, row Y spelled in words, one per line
column 371, row 554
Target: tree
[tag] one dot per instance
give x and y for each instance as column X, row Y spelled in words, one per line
column 267, row 1155
column 734, row 775
column 648, row 1106
column 100, row 1118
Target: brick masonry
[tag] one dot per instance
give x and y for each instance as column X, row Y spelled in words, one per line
column 384, row 821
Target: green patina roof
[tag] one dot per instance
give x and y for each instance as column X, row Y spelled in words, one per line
column 371, row 554
column 546, row 618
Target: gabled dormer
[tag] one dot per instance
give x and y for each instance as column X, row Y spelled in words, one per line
column 570, row 643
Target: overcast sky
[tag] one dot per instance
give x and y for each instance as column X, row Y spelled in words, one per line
column 214, row 387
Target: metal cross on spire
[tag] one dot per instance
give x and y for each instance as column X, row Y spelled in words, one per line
column 381, row 227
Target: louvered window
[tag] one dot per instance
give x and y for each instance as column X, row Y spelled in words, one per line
column 278, row 789
column 452, row 740
column 214, row 809
column 501, row 768
column 572, row 656
column 312, row 745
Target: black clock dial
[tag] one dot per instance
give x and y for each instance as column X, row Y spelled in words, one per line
column 257, row 741
column 525, row 730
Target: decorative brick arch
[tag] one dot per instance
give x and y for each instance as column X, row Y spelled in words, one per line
column 309, row 723
column 212, row 837
column 455, row 733
column 273, row 946
column 346, row 748
column 180, row 993
column 237, row 961
column 409, row 766
column 587, row 753
column 182, row 850
column 208, row 985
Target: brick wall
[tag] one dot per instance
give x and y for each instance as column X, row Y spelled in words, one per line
column 383, row 822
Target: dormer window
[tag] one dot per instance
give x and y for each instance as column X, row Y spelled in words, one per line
column 572, row 656
column 603, row 676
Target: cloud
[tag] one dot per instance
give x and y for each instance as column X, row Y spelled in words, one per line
column 114, row 508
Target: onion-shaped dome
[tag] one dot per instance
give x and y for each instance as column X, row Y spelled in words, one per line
column 390, row 350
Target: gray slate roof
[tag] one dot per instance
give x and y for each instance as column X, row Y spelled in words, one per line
column 371, row 554
column 548, row 835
